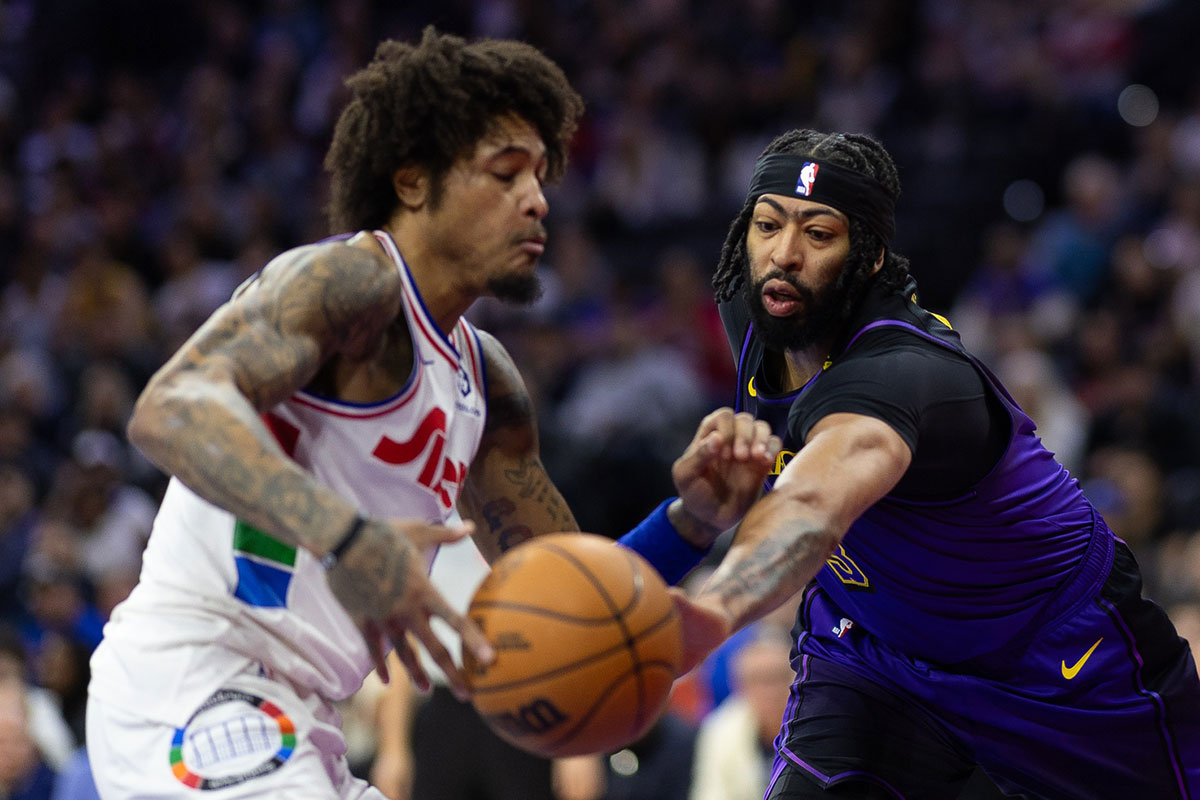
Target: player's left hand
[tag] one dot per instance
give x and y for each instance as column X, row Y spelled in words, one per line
column 720, row 474
column 382, row 583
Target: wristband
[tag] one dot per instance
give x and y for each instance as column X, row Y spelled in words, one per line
column 339, row 549
column 656, row 540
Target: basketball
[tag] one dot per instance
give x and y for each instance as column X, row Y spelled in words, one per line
column 587, row 645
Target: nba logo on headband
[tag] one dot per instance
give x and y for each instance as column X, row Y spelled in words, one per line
column 808, row 176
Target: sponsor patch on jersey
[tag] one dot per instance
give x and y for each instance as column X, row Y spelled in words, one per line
column 233, row 737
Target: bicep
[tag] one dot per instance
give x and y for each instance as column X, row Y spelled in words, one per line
column 848, row 463
column 308, row 304
column 508, row 493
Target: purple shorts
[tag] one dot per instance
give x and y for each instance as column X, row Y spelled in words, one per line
column 1103, row 705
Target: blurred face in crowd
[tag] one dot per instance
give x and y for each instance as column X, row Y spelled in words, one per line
column 18, row 754
column 763, row 676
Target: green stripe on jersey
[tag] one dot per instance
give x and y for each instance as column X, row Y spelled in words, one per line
column 250, row 540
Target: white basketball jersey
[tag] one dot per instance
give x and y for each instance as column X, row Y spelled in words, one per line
column 212, row 586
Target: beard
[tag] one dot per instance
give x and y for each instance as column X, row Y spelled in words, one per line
column 825, row 311
column 516, row 289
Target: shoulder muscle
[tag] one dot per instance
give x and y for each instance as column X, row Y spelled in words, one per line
column 307, row 304
column 510, row 414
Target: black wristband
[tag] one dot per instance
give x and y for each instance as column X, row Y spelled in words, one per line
column 339, row 549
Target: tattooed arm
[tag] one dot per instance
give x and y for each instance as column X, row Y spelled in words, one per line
column 848, row 462
column 508, row 493
column 198, row 419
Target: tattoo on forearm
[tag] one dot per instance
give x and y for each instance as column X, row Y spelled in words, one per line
column 513, row 536
column 289, row 496
column 374, row 575
column 495, row 511
column 251, row 354
column 531, row 482
column 767, row 573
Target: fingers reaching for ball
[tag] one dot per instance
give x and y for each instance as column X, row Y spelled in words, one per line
column 721, row 472
column 382, row 582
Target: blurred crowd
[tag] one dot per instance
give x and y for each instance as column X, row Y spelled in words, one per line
column 153, row 155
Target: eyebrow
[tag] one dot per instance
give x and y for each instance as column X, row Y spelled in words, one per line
column 517, row 150
column 807, row 213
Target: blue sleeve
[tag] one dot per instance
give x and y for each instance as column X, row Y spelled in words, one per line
column 656, row 540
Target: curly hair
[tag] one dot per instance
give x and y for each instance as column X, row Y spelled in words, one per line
column 430, row 104
column 853, row 150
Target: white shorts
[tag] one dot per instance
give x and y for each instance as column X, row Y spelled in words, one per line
column 253, row 738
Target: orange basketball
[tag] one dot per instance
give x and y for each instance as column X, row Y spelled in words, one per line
column 587, row 645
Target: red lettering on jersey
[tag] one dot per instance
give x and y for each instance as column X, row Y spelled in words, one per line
column 435, row 456
column 439, row 475
column 285, row 433
column 393, row 452
column 452, row 477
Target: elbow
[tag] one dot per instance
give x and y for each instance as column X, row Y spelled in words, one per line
column 138, row 429
column 824, row 540
column 145, row 426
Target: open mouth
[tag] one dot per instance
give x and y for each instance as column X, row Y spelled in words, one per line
column 780, row 298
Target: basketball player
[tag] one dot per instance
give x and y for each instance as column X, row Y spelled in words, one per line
column 322, row 427
column 970, row 606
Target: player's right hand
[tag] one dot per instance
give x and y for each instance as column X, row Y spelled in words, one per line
column 705, row 627
column 720, row 474
column 382, row 582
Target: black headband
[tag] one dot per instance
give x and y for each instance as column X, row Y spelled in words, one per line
column 847, row 190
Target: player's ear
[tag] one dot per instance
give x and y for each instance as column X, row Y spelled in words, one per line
column 411, row 185
column 879, row 261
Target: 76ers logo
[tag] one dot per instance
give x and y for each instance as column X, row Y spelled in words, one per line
column 439, row 474
column 808, row 176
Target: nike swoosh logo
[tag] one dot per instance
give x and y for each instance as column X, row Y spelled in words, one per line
column 1071, row 672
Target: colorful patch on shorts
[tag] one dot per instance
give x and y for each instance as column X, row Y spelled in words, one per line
column 233, row 737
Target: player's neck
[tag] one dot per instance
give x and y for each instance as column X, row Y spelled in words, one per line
column 797, row 367
column 438, row 281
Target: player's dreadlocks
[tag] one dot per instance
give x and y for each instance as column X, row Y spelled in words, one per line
column 855, row 151
column 429, row 105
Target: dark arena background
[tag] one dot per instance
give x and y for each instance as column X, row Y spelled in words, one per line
column 154, row 154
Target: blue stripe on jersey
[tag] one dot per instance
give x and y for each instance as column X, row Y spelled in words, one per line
column 261, row 585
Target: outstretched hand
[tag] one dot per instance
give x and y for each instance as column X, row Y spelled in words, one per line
column 704, row 628
column 721, row 473
column 382, row 583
